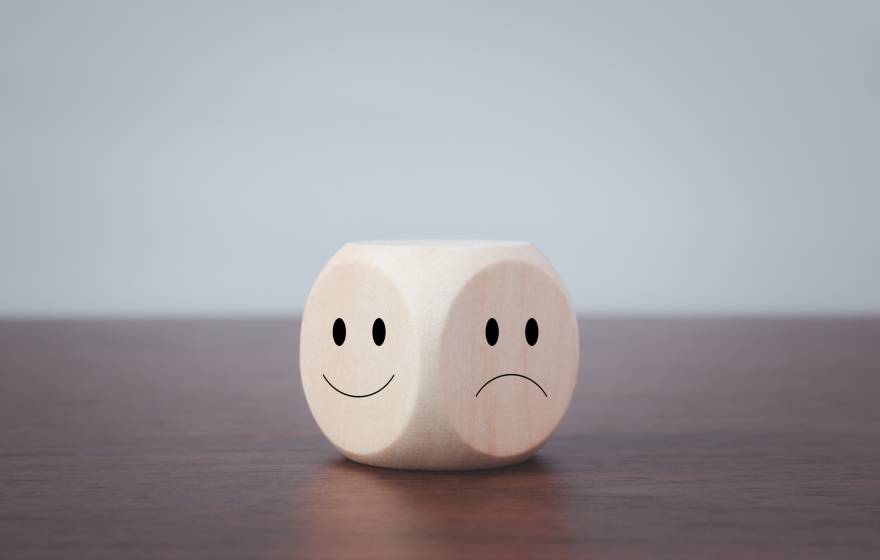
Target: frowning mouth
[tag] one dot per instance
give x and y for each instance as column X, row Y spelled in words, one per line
column 510, row 375
column 359, row 396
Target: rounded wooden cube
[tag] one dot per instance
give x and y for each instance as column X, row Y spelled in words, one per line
column 438, row 355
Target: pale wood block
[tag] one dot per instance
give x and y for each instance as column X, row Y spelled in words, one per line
column 438, row 354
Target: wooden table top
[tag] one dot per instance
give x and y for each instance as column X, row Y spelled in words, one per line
column 738, row 438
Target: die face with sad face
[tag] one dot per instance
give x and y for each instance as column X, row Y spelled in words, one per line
column 438, row 355
column 509, row 359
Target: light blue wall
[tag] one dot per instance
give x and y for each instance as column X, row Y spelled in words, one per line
column 208, row 157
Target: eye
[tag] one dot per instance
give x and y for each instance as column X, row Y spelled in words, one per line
column 532, row 332
column 338, row 332
column 378, row 332
column 492, row 331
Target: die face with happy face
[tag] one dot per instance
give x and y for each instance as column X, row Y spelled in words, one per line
column 361, row 388
column 439, row 355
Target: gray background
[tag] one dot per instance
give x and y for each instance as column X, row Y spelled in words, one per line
column 669, row 157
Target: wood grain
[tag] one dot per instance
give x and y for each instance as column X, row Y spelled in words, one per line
column 745, row 438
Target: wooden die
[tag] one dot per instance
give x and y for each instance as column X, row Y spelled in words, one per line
column 438, row 355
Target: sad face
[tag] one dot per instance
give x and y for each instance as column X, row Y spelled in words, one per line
column 509, row 358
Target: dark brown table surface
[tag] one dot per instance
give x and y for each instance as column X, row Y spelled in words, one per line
column 748, row 438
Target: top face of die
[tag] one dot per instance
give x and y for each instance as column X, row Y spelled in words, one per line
column 509, row 358
column 443, row 243
column 358, row 357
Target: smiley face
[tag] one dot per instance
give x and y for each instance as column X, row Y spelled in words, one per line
column 339, row 339
column 357, row 358
column 509, row 359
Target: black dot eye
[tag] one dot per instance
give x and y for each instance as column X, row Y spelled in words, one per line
column 492, row 331
column 532, row 332
column 378, row 332
column 338, row 332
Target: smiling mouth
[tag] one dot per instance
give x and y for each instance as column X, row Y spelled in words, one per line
column 358, row 396
column 507, row 375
